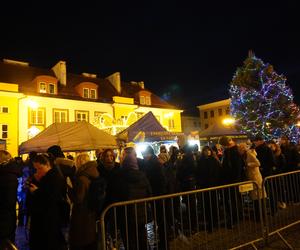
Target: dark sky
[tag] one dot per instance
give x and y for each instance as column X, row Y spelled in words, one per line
column 182, row 51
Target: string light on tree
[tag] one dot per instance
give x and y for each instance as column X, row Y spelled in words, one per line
column 261, row 102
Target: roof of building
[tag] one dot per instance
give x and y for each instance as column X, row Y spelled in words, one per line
column 23, row 75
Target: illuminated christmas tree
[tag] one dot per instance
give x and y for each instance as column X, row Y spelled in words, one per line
column 261, row 101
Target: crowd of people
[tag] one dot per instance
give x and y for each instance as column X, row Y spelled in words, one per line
column 52, row 181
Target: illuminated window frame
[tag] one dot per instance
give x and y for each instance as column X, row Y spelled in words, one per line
column 81, row 113
column 54, row 88
column 93, row 93
column 44, row 88
column 33, row 116
column 60, row 112
column 84, row 92
column 4, row 131
column 4, row 109
column 142, row 100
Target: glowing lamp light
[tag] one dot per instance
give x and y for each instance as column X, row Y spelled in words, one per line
column 33, row 131
column 168, row 115
column 298, row 124
column 228, row 121
column 32, row 104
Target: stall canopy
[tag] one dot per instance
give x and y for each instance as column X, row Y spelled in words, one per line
column 217, row 130
column 148, row 128
column 70, row 136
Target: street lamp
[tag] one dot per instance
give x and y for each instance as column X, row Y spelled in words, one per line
column 228, row 121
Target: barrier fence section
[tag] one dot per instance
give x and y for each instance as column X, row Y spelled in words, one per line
column 222, row 217
column 281, row 206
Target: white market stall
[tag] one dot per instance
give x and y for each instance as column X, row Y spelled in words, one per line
column 70, row 136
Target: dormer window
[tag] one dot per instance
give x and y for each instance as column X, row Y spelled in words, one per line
column 145, row 97
column 85, row 93
column 148, row 100
column 87, row 90
column 93, row 94
column 51, row 88
column 142, row 100
column 43, row 87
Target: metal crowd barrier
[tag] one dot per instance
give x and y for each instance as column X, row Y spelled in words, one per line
column 223, row 217
column 281, row 205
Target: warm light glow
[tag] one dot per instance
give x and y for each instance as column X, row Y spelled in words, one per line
column 33, row 131
column 32, row 104
column 228, row 121
column 193, row 142
column 168, row 115
column 298, row 124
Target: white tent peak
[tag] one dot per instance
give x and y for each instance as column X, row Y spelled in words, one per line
column 70, row 136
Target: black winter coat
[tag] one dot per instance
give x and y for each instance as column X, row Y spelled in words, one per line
column 129, row 184
column 233, row 166
column 266, row 159
column 208, row 172
column 292, row 157
column 45, row 219
column 186, row 173
column 155, row 174
column 9, row 173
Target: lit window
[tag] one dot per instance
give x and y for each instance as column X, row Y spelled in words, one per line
column 86, row 93
column 4, row 131
column 227, row 111
column 3, row 109
column 93, row 94
column 148, row 100
column 142, row 100
column 51, row 88
column 60, row 116
column 205, row 114
column 171, row 124
column 212, row 113
column 82, row 116
column 43, row 87
column 220, row 112
column 37, row 116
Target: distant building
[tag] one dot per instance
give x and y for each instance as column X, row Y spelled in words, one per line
column 213, row 112
column 190, row 127
column 31, row 99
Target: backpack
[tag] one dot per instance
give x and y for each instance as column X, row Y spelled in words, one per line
column 96, row 194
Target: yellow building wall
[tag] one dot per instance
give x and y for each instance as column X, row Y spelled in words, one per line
column 10, row 100
column 49, row 104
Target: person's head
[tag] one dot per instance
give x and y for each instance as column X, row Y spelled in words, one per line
column 206, row 151
column 257, row 140
column 163, row 149
column 284, row 140
column 5, row 156
column 81, row 159
column 226, row 141
column 243, row 148
column 32, row 155
column 129, row 159
column 195, row 148
column 108, row 158
column 148, row 153
column 55, row 152
column 42, row 165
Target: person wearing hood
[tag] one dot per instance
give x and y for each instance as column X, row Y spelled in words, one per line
column 67, row 166
column 9, row 173
column 83, row 219
column 129, row 184
column 163, row 155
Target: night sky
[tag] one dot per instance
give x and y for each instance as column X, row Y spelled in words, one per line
column 186, row 53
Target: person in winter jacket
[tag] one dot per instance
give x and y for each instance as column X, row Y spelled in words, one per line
column 83, row 219
column 253, row 174
column 129, row 183
column 45, row 232
column 9, row 173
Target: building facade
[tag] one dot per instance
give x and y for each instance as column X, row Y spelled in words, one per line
column 214, row 112
column 31, row 99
